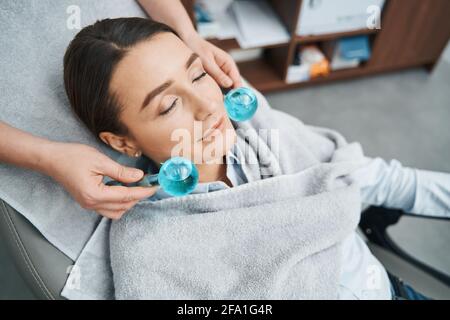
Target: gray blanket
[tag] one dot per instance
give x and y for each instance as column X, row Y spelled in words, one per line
column 277, row 237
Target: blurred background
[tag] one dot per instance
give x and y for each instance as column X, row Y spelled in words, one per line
column 378, row 71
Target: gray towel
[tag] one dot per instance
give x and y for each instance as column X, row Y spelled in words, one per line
column 277, row 237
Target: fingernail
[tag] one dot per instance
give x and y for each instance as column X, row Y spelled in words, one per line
column 136, row 174
column 227, row 83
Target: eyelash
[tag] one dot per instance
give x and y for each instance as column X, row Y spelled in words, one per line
column 170, row 108
column 175, row 102
column 200, row 76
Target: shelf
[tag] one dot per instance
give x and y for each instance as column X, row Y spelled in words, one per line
column 232, row 44
column 261, row 75
column 333, row 76
column 348, row 74
column 341, row 74
column 226, row 44
column 265, row 78
column 393, row 47
column 332, row 36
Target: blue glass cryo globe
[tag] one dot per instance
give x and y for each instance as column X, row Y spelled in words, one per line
column 178, row 176
column 241, row 104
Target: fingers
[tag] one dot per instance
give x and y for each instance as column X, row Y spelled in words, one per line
column 214, row 70
column 236, row 77
column 218, row 63
column 115, row 201
column 229, row 67
column 114, row 215
column 111, row 210
column 120, row 194
column 116, row 206
column 120, row 173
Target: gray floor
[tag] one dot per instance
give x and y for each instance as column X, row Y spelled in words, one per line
column 404, row 115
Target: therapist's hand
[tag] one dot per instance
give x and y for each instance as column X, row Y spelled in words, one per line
column 80, row 169
column 219, row 64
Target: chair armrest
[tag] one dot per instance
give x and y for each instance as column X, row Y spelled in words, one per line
column 40, row 264
column 374, row 223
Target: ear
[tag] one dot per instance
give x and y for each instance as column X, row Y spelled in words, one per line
column 119, row 143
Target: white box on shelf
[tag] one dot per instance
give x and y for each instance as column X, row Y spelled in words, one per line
column 241, row 55
column 258, row 24
column 338, row 63
column 208, row 29
column 298, row 73
column 223, row 17
column 332, row 16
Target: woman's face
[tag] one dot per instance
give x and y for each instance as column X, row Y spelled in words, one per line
column 169, row 104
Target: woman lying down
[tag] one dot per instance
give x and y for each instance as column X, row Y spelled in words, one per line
column 275, row 213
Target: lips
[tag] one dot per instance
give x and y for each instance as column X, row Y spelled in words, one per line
column 214, row 127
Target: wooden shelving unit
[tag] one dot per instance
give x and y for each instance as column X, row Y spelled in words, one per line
column 333, row 36
column 413, row 34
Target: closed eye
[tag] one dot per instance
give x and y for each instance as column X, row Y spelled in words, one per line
column 200, row 76
column 175, row 101
column 170, row 108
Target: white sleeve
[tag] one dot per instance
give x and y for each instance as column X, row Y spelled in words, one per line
column 409, row 189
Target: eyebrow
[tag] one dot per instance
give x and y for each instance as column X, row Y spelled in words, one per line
column 152, row 94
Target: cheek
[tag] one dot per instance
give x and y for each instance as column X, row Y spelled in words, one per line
column 212, row 89
column 152, row 138
column 169, row 135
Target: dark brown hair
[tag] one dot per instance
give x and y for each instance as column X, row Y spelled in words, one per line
column 89, row 63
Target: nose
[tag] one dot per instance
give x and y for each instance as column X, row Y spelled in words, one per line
column 202, row 106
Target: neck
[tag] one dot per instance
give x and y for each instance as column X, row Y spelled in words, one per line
column 213, row 172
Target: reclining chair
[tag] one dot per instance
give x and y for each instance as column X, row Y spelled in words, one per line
column 44, row 268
